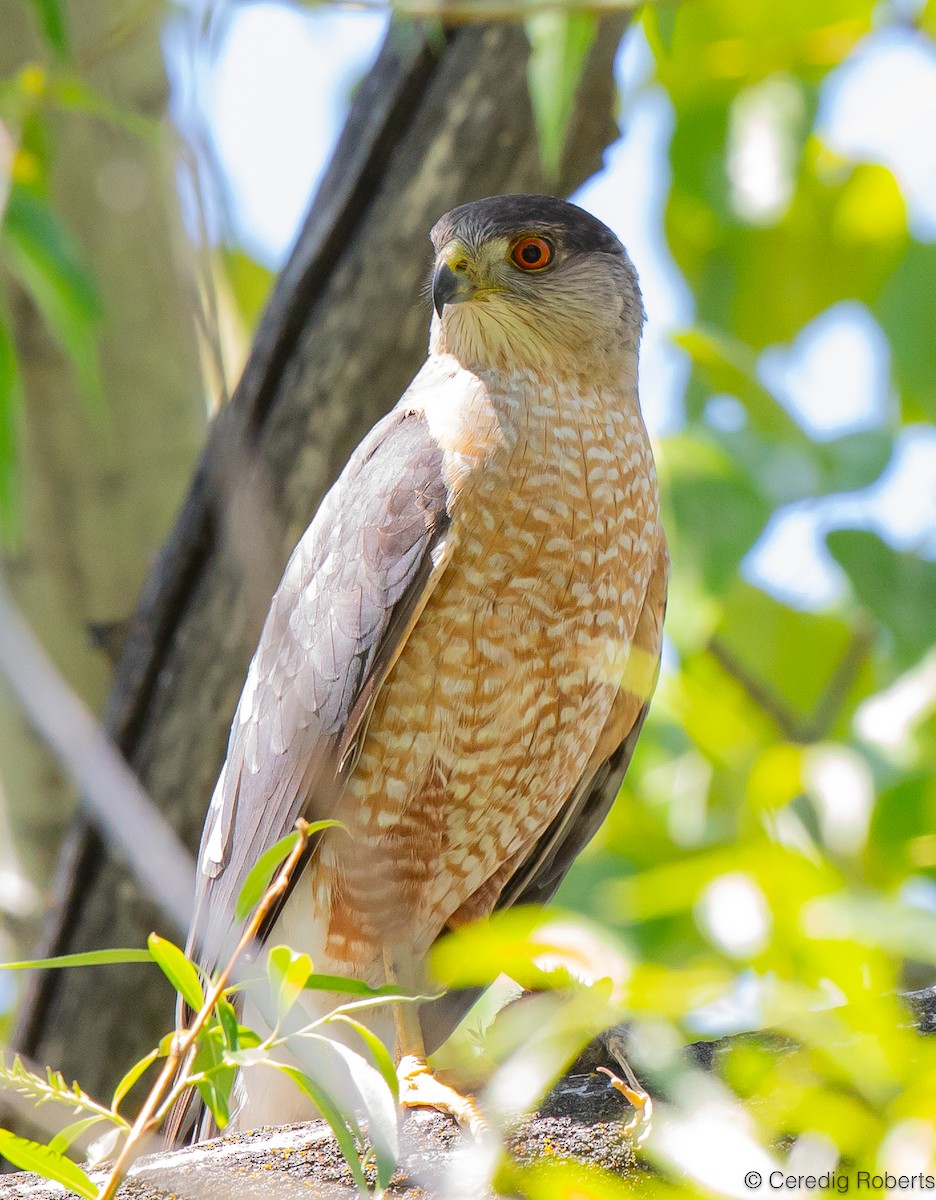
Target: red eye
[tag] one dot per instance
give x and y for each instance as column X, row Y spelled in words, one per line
column 532, row 254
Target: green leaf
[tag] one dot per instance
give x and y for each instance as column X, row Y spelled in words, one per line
column 728, row 365
column 179, row 970
column 716, row 512
column 907, row 312
column 353, row 987
column 64, row 1138
column 772, row 446
column 249, row 1057
column 559, row 46
column 45, row 258
column 287, row 972
column 32, row 1156
column 131, row 1077
column 355, row 1087
column 51, row 18
column 249, row 1041
column 898, row 589
column 11, row 407
column 383, row 1060
column 840, row 239
column 378, row 1105
column 538, row 948
column 854, row 460
column 88, row 958
column 262, row 873
column 664, row 15
column 794, row 655
column 726, row 725
column 227, row 1019
column 52, row 1088
column 218, row 1076
column 716, row 48
column 546, row 1179
column 337, row 1120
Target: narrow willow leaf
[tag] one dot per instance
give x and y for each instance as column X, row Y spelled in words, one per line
column 383, row 1060
column 180, row 972
column 89, row 958
column 131, row 1077
column 287, row 972
column 381, row 1109
column 360, row 1089
column 104, row 1147
column 559, row 46
column 215, row 1087
column 264, row 870
column 227, row 1018
column 64, row 1138
column 32, row 1156
column 250, row 1057
column 216, row 1100
column 337, row 1120
column 357, row 987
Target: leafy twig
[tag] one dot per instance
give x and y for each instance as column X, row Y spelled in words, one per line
column 833, row 697
column 178, row 1057
column 54, row 1088
column 815, row 727
column 762, row 695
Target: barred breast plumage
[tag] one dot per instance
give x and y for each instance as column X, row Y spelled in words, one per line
column 501, row 693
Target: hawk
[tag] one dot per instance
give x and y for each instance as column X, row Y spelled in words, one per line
column 460, row 655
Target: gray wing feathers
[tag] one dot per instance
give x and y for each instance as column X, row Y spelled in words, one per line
column 538, row 879
column 360, row 571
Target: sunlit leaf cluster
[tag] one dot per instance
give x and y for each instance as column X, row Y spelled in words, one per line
column 775, row 830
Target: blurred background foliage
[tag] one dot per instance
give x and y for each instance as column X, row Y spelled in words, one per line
column 772, row 858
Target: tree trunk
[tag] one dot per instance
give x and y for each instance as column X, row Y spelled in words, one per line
column 345, row 330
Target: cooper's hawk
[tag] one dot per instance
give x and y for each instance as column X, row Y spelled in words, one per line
column 459, row 657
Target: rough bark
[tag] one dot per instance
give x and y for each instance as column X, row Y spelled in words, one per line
column 433, row 125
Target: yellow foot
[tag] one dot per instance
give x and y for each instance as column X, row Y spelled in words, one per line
column 642, row 1119
column 419, row 1088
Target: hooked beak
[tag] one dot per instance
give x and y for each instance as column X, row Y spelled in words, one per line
column 450, row 287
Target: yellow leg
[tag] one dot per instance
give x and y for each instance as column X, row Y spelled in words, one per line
column 642, row 1120
column 419, row 1087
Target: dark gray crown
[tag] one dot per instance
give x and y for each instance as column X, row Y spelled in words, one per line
column 507, row 216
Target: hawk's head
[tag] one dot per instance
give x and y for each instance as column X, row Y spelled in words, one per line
column 533, row 282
